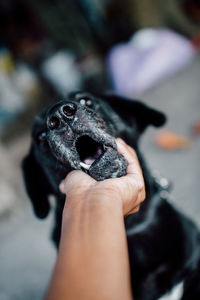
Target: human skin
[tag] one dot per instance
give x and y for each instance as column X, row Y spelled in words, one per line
column 92, row 260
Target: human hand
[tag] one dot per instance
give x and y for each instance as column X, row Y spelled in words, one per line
column 129, row 190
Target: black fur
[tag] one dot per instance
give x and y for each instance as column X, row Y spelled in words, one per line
column 164, row 245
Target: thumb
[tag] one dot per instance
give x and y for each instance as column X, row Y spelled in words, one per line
column 74, row 180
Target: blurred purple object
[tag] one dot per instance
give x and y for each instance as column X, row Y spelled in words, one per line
column 149, row 57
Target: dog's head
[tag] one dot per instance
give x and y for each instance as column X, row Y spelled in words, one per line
column 78, row 133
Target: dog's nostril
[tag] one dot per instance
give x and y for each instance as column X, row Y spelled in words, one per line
column 69, row 109
column 53, row 123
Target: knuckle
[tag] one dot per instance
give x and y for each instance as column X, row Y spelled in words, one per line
column 137, row 208
column 143, row 195
column 140, row 186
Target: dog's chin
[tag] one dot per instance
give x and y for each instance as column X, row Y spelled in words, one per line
column 111, row 165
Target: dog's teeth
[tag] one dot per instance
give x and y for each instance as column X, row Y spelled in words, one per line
column 85, row 166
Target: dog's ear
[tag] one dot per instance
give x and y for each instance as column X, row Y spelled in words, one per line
column 129, row 109
column 37, row 185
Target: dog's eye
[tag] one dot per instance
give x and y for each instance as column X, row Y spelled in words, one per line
column 41, row 137
column 86, row 101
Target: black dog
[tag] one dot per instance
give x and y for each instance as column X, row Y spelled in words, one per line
column 77, row 133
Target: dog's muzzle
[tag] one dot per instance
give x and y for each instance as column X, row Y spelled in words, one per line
column 79, row 137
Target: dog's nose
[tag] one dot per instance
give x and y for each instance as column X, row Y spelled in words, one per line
column 69, row 109
column 53, row 122
column 59, row 116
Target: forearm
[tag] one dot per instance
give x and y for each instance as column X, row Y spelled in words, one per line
column 93, row 257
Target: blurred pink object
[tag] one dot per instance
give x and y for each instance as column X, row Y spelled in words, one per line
column 149, row 57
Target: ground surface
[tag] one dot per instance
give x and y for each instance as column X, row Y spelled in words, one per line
column 26, row 253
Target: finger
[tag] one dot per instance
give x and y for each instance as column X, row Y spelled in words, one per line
column 123, row 147
column 133, row 168
column 126, row 151
column 130, row 155
column 121, row 141
column 75, row 179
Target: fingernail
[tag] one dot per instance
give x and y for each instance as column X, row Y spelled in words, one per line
column 62, row 186
column 120, row 141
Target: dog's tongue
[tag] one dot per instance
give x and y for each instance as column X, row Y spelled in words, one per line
column 90, row 159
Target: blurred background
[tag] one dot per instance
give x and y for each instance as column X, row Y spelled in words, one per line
column 143, row 49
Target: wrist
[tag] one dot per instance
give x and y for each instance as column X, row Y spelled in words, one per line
column 95, row 194
column 91, row 199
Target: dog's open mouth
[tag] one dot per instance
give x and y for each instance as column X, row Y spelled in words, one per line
column 95, row 154
column 89, row 151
